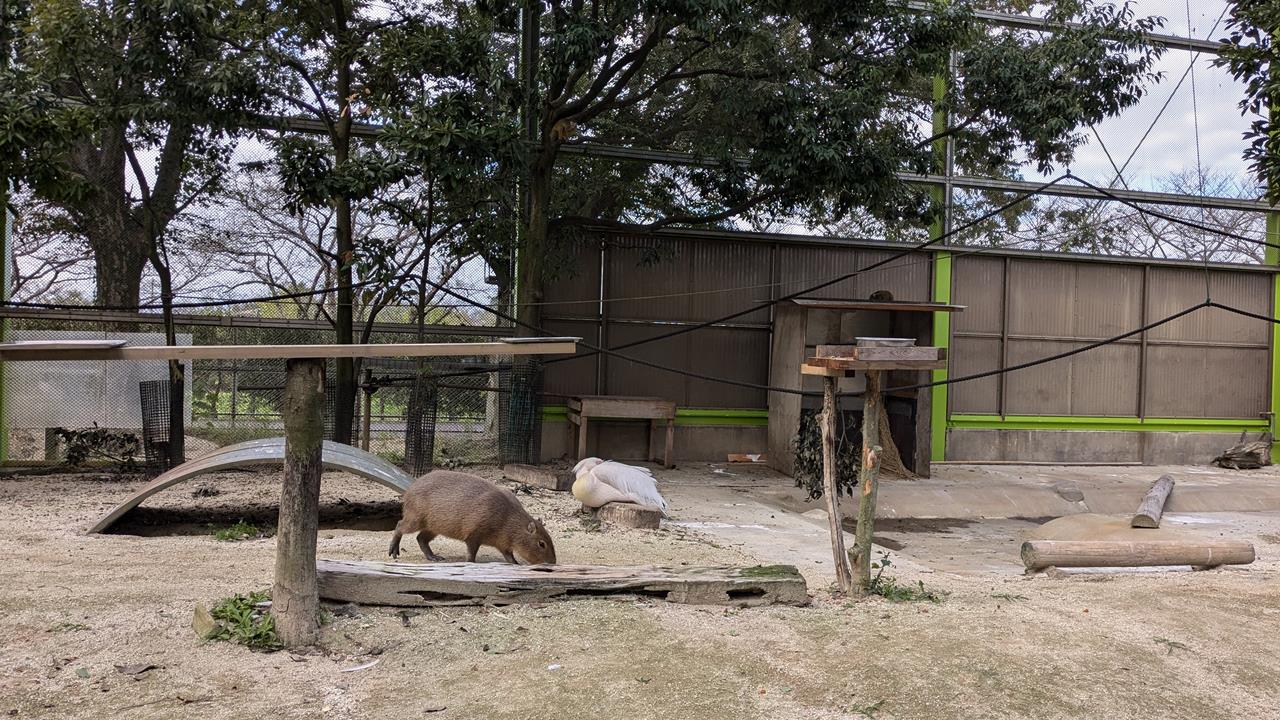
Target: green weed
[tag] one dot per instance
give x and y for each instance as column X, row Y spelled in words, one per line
column 889, row 588
column 241, row 620
column 240, row 531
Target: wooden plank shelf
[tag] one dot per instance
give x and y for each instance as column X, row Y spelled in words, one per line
column 35, row 350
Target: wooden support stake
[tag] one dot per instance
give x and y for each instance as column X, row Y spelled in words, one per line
column 830, row 485
column 867, row 481
column 1152, row 507
column 1210, row 552
column 295, row 600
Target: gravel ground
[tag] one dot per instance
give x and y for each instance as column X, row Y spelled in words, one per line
column 72, row 607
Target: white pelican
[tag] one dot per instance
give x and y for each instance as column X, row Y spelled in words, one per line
column 598, row 482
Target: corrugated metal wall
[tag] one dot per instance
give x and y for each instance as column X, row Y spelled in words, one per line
column 1208, row 365
column 654, row 285
column 1211, row 364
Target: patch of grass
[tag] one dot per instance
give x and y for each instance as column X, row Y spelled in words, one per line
column 241, row 619
column 240, row 531
column 1009, row 597
column 590, row 523
column 1171, row 644
column 868, row 710
column 66, row 627
column 889, row 588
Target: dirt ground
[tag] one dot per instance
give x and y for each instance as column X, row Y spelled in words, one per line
column 72, row 607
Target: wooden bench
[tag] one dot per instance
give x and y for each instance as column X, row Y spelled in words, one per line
column 631, row 408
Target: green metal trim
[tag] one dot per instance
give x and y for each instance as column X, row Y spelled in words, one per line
column 942, row 338
column 1273, row 258
column 1116, row 424
column 6, row 235
column 687, row 416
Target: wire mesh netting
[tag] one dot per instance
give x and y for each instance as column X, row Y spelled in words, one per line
column 154, row 396
column 520, row 408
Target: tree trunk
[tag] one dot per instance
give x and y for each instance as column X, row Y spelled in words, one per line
column 867, row 483
column 831, row 484
column 295, row 602
column 530, row 265
column 345, row 380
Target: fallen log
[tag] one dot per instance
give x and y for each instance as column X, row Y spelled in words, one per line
column 1152, row 506
column 1040, row 554
column 409, row 585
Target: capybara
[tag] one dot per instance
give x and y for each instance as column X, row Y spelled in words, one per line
column 471, row 509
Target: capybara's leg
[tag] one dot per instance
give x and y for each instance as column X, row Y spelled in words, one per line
column 424, row 542
column 401, row 528
column 509, row 557
column 473, row 547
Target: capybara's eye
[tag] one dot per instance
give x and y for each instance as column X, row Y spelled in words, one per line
column 542, row 545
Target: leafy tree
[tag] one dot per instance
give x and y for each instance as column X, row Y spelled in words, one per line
column 118, row 114
column 1251, row 56
column 347, row 60
column 810, row 108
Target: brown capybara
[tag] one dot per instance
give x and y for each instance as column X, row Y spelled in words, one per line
column 471, row 509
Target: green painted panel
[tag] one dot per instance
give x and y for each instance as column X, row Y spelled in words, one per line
column 1116, row 424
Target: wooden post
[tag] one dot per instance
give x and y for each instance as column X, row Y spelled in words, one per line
column 830, row 485
column 867, row 482
column 1152, row 507
column 295, row 601
column 365, row 424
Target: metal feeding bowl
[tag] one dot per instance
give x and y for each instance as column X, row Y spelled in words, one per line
column 885, row 342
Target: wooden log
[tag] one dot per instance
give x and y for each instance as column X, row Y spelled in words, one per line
column 1211, row 552
column 295, row 601
column 538, row 477
column 868, row 480
column 1152, row 506
column 831, row 487
column 409, row 585
column 630, row 515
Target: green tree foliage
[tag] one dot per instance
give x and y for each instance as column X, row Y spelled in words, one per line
column 118, row 113
column 809, row 109
column 1251, row 57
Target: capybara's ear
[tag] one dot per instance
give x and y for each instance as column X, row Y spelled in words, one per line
column 533, row 527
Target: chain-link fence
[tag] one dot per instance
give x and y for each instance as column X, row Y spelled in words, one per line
column 417, row 414
column 250, row 265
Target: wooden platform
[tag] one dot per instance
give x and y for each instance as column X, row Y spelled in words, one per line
column 410, row 585
column 584, row 407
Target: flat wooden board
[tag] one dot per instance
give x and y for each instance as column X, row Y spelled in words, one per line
column 635, row 408
column 65, row 344
column 21, row 351
column 841, row 367
column 877, row 354
column 412, row 585
column 904, row 306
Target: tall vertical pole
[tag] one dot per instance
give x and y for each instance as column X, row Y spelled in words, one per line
column 831, row 484
column 295, row 596
column 529, row 32
column 868, row 483
column 1272, row 257
column 944, row 162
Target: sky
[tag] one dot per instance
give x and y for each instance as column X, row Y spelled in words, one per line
column 1210, row 112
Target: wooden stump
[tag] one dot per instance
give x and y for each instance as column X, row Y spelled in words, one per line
column 538, row 477
column 409, row 585
column 868, row 480
column 1152, row 507
column 831, row 487
column 1040, row 554
column 295, row 600
column 630, row 515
